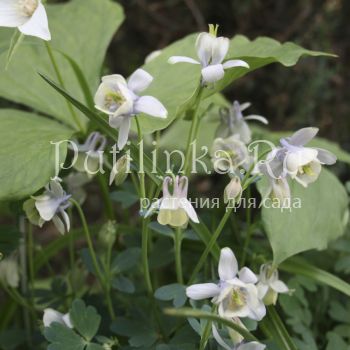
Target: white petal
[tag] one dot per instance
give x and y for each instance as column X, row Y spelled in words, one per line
column 182, row 59
column 244, row 106
column 235, row 63
column 66, row 220
column 279, row 286
column 303, row 136
column 150, row 105
column 154, row 54
column 301, row 157
column 219, row 49
column 218, row 338
column 115, row 122
column 114, row 79
column 204, row 47
column 326, row 157
column 247, row 275
column 139, row 81
column 37, row 24
column 228, row 266
column 59, row 224
column 262, row 290
column 213, row 73
column 254, row 345
column 46, row 206
column 67, row 321
column 187, row 206
column 51, row 316
column 124, row 132
column 259, row 118
column 126, row 108
column 202, row 291
column 10, row 16
column 153, row 207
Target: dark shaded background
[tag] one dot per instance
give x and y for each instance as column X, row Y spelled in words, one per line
column 315, row 92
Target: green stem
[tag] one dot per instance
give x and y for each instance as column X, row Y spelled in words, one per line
column 30, row 247
column 94, row 258
column 193, row 130
column 60, row 80
column 146, row 271
column 178, row 262
column 106, row 198
column 210, row 245
column 249, row 230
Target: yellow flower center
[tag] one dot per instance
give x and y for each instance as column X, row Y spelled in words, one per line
column 237, row 299
column 28, row 7
column 113, row 100
column 307, row 169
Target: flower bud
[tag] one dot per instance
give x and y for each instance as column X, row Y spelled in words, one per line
column 120, row 171
column 9, row 272
column 233, row 190
column 271, row 297
column 108, row 234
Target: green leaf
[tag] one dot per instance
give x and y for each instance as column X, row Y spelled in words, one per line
column 175, row 85
column 123, row 284
column 321, row 217
column 161, row 229
column 62, row 337
column 27, row 157
column 85, row 319
column 175, row 292
column 81, row 28
column 300, row 267
column 126, row 260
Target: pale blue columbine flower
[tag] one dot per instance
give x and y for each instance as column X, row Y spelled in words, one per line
column 29, row 16
column 304, row 163
column 174, row 209
column 51, row 205
column 53, row 316
column 211, row 51
column 234, row 123
column 121, row 101
column 236, row 294
column 269, row 285
column 241, row 345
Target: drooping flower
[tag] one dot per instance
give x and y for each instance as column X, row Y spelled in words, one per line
column 51, row 205
column 121, row 101
column 53, row 316
column 304, row 163
column 236, row 294
column 120, row 170
column 90, row 153
column 211, row 51
column 234, row 123
column 75, row 183
column 9, row 271
column 229, row 154
column 233, row 190
column 269, row 285
column 240, row 345
column 29, row 16
column 174, row 209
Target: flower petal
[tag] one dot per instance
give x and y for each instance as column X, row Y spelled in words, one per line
column 10, row 15
column 213, row 73
column 124, row 132
column 246, row 275
column 259, row 118
column 182, row 59
column 46, row 206
column 219, row 49
column 254, row 345
column 139, row 81
column 51, row 316
column 303, row 136
column 326, row 157
column 228, row 266
column 204, row 47
column 187, row 206
column 151, row 106
column 37, row 24
column 279, row 286
column 262, row 289
column 202, row 291
column 59, row 224
column 115, row 122
column 218, row 338
column 67, row 321
column 235, row 63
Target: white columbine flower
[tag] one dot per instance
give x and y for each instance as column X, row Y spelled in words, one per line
column 211, row 51
column 304, row 163
column 241, row 345
column 29, row 16
column 53, row 316
column 9, row 271
column 237, row 296
column 229, row 154
column 174, row 209
column 233, row 122
column 51, row 205
column 269, row 285
column 90, row 153
column 120, row 100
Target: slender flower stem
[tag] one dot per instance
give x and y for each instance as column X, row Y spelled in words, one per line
column 94, row 258
column 193, row 130
column 249, row 231
column 178, row 262
column 210, row 245
column 60, row 80
column 106, row 198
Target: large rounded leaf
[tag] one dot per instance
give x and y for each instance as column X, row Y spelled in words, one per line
column 27, row 157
